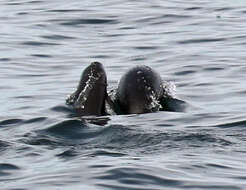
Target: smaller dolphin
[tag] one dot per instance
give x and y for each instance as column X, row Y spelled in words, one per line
column 89, row 97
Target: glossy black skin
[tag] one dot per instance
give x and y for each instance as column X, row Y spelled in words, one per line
column 89, row 98
column 135, row 90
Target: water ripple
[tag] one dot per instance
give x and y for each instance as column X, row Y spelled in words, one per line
column 75, row 22
column 64, row 10
column 240, row 124
column 201, row 40
column 35, row 43
column 129, row 177
column 57, row 37
column 6, row 169
column 41, row 55
column 4, row 145
column 10, row 122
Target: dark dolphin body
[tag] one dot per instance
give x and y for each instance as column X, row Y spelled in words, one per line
column 140, row 90
column 89, row 98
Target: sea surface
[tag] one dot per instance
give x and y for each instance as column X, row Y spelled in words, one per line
column 198, row 45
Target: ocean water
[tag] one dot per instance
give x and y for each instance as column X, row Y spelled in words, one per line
column 198, row 45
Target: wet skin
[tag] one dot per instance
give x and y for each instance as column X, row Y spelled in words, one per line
column 140, row 90
column 89, row 98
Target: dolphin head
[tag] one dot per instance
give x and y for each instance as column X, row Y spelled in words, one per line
column 138, row 90
column 89, row 98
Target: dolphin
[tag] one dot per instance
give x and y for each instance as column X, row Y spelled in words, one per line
column 138, row 90
column 141, row 90
column 89, row 97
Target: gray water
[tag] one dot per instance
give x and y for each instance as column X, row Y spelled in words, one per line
column 198, row 45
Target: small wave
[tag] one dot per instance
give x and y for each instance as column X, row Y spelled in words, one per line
column 22, row 13
column 106, row 140
column 193, row 8
column 232, row 124
column 10, row 122
column 146, row 47
column 6, row 168
column 5, row 59
column 4, row 145
column 68, row 128
column 97, row 120
column 203, row 185
column 64, row 133
column 201, row 40
column 183, row 73
column 68, row 153
column 106, row 153
column 33, row 2
column 14, row 3
column 202, row 139
column 75, row 22
column 63, row 109
column 87, row 152
column 41, row 55
column 134, row 176
column 222, row 9
column 64, row 10
column 34, row 120
column 218, row 166
column 176, row 16
column 214, row 68
column 35, row 43
column 57, row 37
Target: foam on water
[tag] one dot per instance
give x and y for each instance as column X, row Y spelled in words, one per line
column 169, row 89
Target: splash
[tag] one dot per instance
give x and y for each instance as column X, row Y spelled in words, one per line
column 70, row 99
column 112, row 95
column 169, row 89
column 154, row 103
